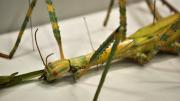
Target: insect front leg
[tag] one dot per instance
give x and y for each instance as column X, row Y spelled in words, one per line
column 21, row 32
column 55, row 26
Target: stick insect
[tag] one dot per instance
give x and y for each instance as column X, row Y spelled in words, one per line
column 55, row 27
column 142, row 46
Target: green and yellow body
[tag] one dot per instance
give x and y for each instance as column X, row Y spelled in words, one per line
column 141, row 46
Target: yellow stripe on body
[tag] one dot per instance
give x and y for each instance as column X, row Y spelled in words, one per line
column 55, row 25
column 50, row 8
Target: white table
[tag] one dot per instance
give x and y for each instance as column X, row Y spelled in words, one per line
column 158, row 80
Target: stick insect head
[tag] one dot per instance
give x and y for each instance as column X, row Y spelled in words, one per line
column 53, row 70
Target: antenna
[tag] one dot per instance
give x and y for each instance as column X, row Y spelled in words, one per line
column 32, row 38
column 38, row 47
column 44, row 63
column 47, row 58
column 88, row 32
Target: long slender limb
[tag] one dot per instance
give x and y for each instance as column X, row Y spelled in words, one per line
column 32, row 38
column 123, row 22
column 170, row 6
column 108, row 12
column 121, row 35
column 153, row 10
column 13, row 79
column 55, row 26
column 106, row 69
column 18, row 40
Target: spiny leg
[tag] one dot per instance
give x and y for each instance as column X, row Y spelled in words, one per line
column 55, row 26
column 170, row 6
column 123, row 22
column 108, row 12
column 153, row 9
column 26, row 20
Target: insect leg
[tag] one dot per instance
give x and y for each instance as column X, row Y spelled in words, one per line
column 55, row 26
column 21, row 32
column 120, row 36
column 108, row 12
column 171, row 8
column 153, row 10
column 107, row 66
column 123, row 22
column 143, row 58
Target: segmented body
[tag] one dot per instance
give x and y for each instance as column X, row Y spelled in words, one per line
column 142, row 45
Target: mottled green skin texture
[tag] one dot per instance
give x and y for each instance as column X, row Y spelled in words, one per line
column 147, row 42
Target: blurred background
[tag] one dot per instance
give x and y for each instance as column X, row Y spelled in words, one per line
column 12, row 12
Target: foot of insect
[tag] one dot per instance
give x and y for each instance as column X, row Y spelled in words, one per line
column 143, row 58
column 5, row 56
column 140, row 58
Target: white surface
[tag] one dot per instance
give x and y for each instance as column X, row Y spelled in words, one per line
column 155, row 81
